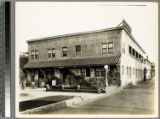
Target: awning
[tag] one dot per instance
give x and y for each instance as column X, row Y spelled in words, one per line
column 74, row 62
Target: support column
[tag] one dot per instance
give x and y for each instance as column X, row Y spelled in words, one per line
column 106, row 68
column 57, row 73
column 92, row 72
column 29, row 77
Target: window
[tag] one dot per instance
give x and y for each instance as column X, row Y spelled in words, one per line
column 103, row 73
column 133, row 52
column 123, row 47
column 36, row 54
column 100, row 72
column 104, row 48
column 136, row 55
column 82, row 72
column 88, row 72
column 130, row 50
column 97, row 72
column 78, row 50
column 127, row 70
column 32, row 54
column 133, row 70
column 110, row 47
column 53, row 52
column 140, row 57
column 64, row 51
column 49, row 53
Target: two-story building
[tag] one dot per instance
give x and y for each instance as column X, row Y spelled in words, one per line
column 112, row 54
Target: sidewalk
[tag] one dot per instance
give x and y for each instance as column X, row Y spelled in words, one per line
column 30, row 94
column 79, row 97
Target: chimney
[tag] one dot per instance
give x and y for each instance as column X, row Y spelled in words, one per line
column 125, row 25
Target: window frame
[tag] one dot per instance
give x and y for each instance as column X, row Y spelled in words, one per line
column 64, row 53
column 49, row 53
column 111, row 47
column 78, row 53
column 106, row 49
column 32, row 54
column 53, row 53
column 36, row 54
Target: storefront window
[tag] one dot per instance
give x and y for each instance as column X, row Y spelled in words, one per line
column 82, row 72
column 88, row 72
column 103, row 73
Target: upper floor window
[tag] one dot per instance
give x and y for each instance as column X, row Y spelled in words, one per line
column 34, row 54
column 78, row 50
column 136, row 55
column 130, row 50
column 110, row 47
column 140, row 57
column 104, row 48
column 51, row 53
column 123, row 47
column 133, row 52
column 64, row 51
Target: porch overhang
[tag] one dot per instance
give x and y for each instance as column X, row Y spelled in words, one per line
column 96, row 61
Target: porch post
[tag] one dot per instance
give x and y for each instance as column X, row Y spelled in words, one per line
column 106, row 68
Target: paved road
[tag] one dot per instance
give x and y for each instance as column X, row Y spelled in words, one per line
column 137, row 99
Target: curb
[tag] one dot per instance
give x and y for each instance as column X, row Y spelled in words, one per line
column 68, row 103
column 55, row 106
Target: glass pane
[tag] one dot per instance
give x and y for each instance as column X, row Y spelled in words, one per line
column 110, row 45
column 104, row 45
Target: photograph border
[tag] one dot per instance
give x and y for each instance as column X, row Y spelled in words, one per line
column 13, row 41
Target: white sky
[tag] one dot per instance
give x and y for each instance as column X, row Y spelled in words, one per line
column 43, row 19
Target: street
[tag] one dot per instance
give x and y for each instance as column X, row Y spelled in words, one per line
column 138, row 99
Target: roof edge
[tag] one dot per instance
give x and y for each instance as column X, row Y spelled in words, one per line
column 72, row 34
column 134, row 40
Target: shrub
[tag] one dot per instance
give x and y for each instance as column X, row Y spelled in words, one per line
column 99, row 83
column 114, row 78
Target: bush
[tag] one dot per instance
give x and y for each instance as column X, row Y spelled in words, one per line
column 114, row 78
column 99, row 83
column 84, row 83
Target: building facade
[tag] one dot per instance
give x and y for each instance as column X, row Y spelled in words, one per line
column 111, row 55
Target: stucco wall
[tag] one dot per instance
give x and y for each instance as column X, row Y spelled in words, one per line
column 128, row 61
column 91, row 45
